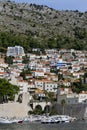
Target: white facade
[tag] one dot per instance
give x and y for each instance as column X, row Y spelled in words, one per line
column 3, row 65
column 39, row 84
column 50, row 86
column 15, row 51
column 23, row 86
column 82, row 97
column 2, row 69
column 38, row 73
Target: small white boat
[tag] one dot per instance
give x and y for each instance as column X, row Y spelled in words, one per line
column 9, row 121
column 5, row 121
column 57, row 119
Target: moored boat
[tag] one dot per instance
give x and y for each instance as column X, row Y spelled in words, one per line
column 5, row 121
column 9, row 121
column 58, row 119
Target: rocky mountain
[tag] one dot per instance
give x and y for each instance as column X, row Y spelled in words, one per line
column 44, row 23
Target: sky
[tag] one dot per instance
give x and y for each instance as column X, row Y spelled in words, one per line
column 80, row 5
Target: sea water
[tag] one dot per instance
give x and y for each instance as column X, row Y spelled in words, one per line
column 39, row 126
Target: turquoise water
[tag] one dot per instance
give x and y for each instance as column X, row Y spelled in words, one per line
column 39, row 126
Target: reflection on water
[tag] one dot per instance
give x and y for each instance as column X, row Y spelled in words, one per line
column 39, row 126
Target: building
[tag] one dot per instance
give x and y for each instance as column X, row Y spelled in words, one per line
column 38, row 73
column 61, row 64
column 72, row 98
column 82, row 97
column 50, row 86
column 15, row 51
column 68, row 98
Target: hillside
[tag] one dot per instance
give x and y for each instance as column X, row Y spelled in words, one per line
column 42, row 26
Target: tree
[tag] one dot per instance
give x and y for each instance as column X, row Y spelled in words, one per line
column 85, row 76
column 24, row 72
column 7, row 90
column 25, row 60
column 37, row 110
column 9, row 60
column 51, row 96
column 63, row 102
column 78, row 86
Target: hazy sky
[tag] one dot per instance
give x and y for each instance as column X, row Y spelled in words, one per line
column 80, row 5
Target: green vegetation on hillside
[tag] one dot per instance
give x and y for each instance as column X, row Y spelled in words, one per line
column 79, row 42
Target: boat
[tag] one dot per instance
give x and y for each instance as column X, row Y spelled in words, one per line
column 20, row 122
column 51, row 119
column 58, row 119
column 5, row 121
column 10, row 121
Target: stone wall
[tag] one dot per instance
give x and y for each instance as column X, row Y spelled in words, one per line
column 77, row 110
column 15, row 109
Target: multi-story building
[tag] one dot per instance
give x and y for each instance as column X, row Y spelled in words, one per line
column 72, row 98
column 50, row 86
column 15, row 51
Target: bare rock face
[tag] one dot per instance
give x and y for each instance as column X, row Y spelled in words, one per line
column 40, row 21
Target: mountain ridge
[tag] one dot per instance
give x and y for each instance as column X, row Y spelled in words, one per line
column 43, row 23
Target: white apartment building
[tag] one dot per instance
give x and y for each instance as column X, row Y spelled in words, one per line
column 82, row 97
column 23, row 85
column 15, row 51
column 39, row 84
column 38, row 73
column 50, row 86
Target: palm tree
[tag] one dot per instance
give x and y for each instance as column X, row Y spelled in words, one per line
column 63, row 102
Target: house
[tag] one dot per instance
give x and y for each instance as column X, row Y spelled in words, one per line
column 67, row 56
column 43, row 57
column 50, row 86
column 43, row 68
column 23, row 85
column 3, row 65
column 61, row 63
column 40, row 95
column 31, row 87
column 85, row 66
column 32, row 56
column 71, row 98
column 29, row 76
column 78, row 74
column 52, row 77
column 20, row 66
column 67, row 83
column 81, row 59
column 3, row 74
column 17, row 60
column 82, row 97
column 39, row 84
column 46, row 69
column 75, row 67
column 38, row 73
column 32, row 65
column 64, row 68
column 62, row 91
